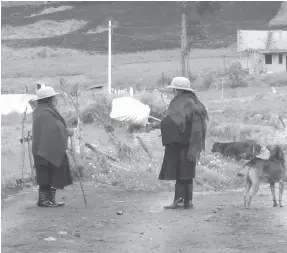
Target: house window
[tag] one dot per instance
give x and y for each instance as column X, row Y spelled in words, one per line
column 280, row 58
column 268, row 58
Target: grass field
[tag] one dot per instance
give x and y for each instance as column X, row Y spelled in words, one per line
column 141, row 26
column 243, row 113
column 128, row 69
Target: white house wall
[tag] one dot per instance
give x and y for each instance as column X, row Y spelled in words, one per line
column 255, row 63
column 257, row 40
column 275, row 66
column 252, row 62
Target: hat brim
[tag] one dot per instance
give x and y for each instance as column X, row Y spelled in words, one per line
column 169, row 88
column 35, row 99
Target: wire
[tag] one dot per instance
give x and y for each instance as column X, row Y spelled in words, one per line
column 213, row 56
column 141, row 38
column 127, row 27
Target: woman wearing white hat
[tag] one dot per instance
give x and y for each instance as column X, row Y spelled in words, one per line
column 183, row 133
column 50, row 141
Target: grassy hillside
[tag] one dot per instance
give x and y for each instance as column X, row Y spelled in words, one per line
column 132, row 19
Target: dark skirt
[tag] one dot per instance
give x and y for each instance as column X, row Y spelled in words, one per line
column 175, row 164
column 49, row 174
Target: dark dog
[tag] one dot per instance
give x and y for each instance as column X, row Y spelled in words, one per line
column 248, row 149
column 270, row 170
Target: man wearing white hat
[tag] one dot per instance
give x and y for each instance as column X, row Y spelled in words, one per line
column 50, row 141
column 183, row 132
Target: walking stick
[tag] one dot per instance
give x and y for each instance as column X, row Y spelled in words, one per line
column 30, row 158
column 23, row 145
column 76, row 164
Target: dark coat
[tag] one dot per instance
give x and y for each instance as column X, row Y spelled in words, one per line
column 176, row 165
column 49, row 174
column 50, row 134
column 50, row 140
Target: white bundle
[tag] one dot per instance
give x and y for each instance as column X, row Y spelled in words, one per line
column 15, row 103
column 130, row 110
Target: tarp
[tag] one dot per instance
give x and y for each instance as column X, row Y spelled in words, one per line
column 130, row 110
column 15, row 103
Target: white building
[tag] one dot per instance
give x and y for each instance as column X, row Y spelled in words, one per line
column 262, row 51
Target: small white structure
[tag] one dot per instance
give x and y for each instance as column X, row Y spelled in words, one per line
column 262, row 51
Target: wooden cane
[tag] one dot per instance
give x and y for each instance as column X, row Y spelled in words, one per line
column 156, row 119
column 76, row 164
column 30, row 158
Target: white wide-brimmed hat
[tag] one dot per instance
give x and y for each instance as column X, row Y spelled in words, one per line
column 180, row 83
column 45, row 92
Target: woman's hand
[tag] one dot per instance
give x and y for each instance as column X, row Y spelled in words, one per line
column 70, row 132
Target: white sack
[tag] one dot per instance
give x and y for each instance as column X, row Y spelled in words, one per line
column 15, row 103
column 130, row 110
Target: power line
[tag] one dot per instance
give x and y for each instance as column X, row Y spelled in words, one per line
column 142, row 38
column 128, row 27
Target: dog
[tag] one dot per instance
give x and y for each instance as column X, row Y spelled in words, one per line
column 248, row 149
column 270, row 170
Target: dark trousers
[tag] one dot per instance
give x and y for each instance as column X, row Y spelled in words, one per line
column 44, row 187
column 184, row 181
column 49, row 175
column 184, row 190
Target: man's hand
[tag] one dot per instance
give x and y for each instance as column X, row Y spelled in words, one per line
column 155, row 125
column 152, row 126
column 148, row 127
column 70, row 132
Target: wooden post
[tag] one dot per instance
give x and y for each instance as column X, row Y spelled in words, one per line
column 110, row 59
column 184, row 54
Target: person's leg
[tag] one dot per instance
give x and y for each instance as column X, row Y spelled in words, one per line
column 42, row 178
column 52, row 197
column 43, row 199
column 188, row 193
column 177, row 196
column 59, row 178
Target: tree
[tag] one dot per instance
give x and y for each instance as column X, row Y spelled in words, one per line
column 192, row 29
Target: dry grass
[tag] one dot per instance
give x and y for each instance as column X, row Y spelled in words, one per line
column 142, row 71
column 11, row 54
column 139, row 70
column 41, row 29
column 128, row 69
column 18, row 3
column 11, row 161
column 137, row 171
column 53, row 10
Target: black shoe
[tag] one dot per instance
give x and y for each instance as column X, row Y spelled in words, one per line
column 43, row 200
column 177, row 197
column 188, row 194
column 52, row 195
column 188, row 205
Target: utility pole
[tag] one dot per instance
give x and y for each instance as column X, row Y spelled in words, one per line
column 184, row 53
column 110, row 59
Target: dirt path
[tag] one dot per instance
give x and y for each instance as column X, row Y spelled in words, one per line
column 217, row 224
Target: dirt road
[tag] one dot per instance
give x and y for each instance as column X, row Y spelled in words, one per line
column 217, row 224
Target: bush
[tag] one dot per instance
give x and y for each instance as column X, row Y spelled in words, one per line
column 236, row 74
column 163, row 81
column 205, row 82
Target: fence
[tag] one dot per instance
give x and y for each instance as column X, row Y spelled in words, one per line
column 213, row 62
column 121, row 68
